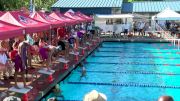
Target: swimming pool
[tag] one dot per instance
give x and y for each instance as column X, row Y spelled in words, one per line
column 127, row 72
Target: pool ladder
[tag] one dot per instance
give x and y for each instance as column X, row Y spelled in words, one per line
column 173, row 39
column 175, row 42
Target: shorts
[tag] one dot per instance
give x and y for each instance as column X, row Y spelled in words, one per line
column 36, row 43
column 125, row 30
column 92, row 31
column 18, row 64
column 43, row 53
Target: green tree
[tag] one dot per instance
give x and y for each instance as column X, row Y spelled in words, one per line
column 17, row 4
column 39, row 4
column 13, row 4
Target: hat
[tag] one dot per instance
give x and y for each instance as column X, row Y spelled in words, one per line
column 95, row 96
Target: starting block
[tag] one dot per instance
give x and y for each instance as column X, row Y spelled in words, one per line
column 45, row 71
column 94, row 40
column 12, row 98
column 74, row 53
column 21, row 89
column 62, row 60
column 82, row 48
column 88, row 43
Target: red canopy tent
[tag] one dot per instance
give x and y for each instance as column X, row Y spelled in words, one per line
column 8, row 30
column 1, row 13
column 73, row 16
column 61, row 17
column 89, row 19
column 40, row 16
column 19, row 19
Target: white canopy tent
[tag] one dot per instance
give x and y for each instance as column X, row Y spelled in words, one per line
column 167, row 14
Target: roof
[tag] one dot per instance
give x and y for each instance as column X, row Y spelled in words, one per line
column 168, row 14
column 127, row 7
column 84, row 16
column 22, row 20
column 61, row 17
column 1, row 13
column 8, row 30
column 42, row 17
column 87, row 3
column 150, row 6
column 73, row 16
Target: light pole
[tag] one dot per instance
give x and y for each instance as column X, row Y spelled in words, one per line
column 32, row 6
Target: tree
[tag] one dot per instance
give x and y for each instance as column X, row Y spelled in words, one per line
column 17, row 4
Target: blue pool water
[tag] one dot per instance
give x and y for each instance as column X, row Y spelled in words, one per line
column 127, row 72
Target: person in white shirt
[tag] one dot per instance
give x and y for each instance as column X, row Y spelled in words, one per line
column 3, row 58
column 141, row 28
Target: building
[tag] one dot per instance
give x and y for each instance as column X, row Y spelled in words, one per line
column 146, row 7
column 150, row 8
column 89, row 6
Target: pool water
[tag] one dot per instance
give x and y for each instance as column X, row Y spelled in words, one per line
column 127, row 72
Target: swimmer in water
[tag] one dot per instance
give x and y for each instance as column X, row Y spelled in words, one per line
column 58, row 93
column 83, row 71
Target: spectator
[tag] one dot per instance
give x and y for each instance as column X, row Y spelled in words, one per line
column 165, row 98
column 19, row 67
column 95, row 96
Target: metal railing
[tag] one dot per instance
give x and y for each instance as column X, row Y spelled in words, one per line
column 166, row 35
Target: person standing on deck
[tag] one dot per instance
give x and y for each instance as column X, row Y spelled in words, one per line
column 19, row 69
column 23, row 51
column 141, row 28
column 126, row 27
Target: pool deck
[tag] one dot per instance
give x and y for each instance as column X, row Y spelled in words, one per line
column 41, row 86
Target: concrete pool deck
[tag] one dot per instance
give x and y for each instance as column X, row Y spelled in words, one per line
column 41, row 85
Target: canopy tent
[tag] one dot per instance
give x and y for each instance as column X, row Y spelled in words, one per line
column 1, row 13
column 8, row 30
column 22, row 20
column 167, row 14
column 72, row 15
column 89, row 19
column 40, row 16
column 60, row 17
column 115, row 16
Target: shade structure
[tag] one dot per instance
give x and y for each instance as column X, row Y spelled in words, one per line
column 8, row 30
column 19, row 19
column 114, row 16
column 61, row 17
column 41, row 16
column 89, row 19
column 1, row 13
column 72, row 15
column 167, row 14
